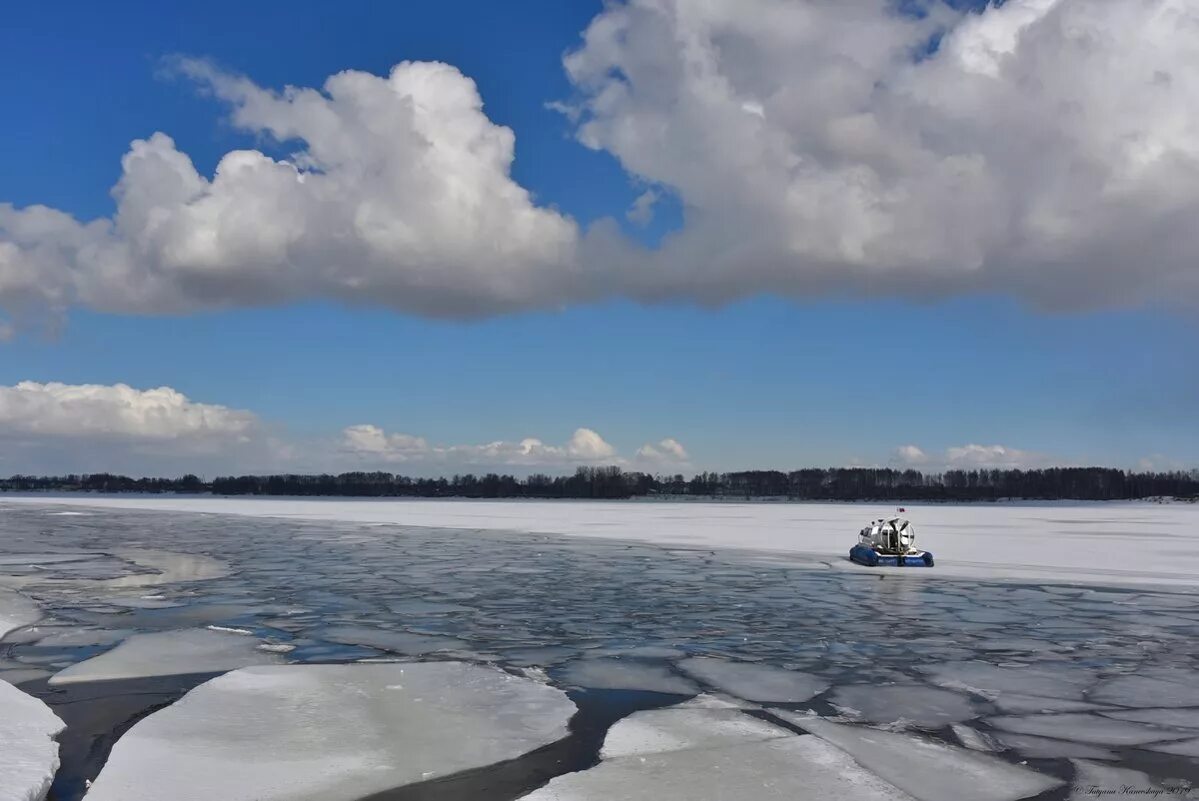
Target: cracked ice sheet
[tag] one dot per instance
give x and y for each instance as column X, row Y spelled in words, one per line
column 330, row 732
column 714, row 755
column 754, row 682
column 926, row 769
column 16, row 611
column 169, row 653
column 28, row 752
column 1047, row 536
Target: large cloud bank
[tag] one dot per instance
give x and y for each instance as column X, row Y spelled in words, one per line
column 1045, row 149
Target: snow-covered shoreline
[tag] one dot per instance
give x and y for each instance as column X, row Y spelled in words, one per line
column 1124, row 543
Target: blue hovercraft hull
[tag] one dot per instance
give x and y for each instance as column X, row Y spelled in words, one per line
column 872, row 558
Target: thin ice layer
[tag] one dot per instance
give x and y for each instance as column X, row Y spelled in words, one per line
column 330, row 732
column 169, row 653
column 889, row 703
column 28, row 752
column 780, row 769
column 16, row 611
column 755, row 682
column 679, row 729
column 621, row 674
column 1084, row 728
column 926, row 769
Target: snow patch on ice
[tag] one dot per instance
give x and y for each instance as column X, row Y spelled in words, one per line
column 928, row 770
column 754, row 682
column 28, row 751
column 168, row 653
column 330, row 732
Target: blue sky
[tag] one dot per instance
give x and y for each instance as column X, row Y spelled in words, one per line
column 773, row 379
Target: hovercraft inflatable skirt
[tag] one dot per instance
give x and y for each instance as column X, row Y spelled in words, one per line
column 872, row 558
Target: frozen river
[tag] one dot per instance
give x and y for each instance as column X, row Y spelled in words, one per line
column 1052, row 646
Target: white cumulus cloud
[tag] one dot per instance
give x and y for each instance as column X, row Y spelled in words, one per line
column 1047, row 149
column 119, row 412
column 1043, row 149
column 398, row 193
column 664, row 452
column 59, row 428
column 972, row 457
column 371, row 443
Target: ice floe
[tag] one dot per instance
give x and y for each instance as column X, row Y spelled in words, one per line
column 1189, row 748
column 679, row 729
column 1182, row 718
column 400, row 642
column 168, row 653
column 992, row 681
column 170, row 567
column 28, row 751
column 1085, row 728
column 1030, row 745
column 1093, row 781
column 623, row 674
column 755, row 682
column 1147, row 691
column 330, row 732
column 924, row 768
column 16, row 611
column 889, row 703
column 713, row 755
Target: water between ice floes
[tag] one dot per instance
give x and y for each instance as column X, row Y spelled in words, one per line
column 1042, row 674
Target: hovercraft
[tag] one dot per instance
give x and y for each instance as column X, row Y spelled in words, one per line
column 889, row 542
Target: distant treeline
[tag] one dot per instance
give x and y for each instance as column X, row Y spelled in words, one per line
column 833, row 484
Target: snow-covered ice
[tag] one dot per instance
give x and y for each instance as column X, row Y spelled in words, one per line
column 330, row 732
column 926, row 769
column 625, row 674
column 1044, row 539
column 28, row 751
column 754, row 682
column 168, row 653
column 889, row 703
column 712, row 755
